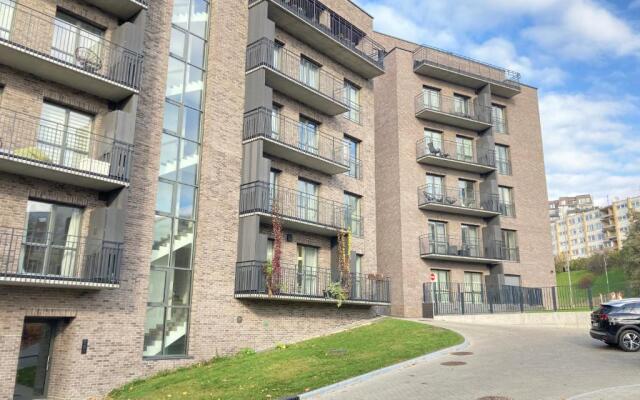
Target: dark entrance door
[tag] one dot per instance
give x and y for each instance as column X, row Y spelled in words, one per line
column 34, row 359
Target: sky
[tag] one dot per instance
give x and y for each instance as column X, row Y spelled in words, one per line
column 582, row 55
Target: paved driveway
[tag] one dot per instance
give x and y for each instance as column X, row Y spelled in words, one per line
column 513, row 362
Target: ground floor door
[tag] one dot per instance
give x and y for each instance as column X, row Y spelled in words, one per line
column 34, row 359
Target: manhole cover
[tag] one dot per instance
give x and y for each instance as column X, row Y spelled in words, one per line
column 462, row 353
column 495, row 398
column 453, row 363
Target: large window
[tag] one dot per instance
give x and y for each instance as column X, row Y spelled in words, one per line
column 77, row 42
column 276, row 124
column 503, row 160
column 507, row 208
column 308, row 135
column 352, row 98
column 470, row 241
column 434, row 190
column 461, row 105
column 441, row 287
column 431, row 98
column 464, row 149
column 510, row 245
column 433, row 142
column 307, row 200
column 169, row 303
column 7, row 9
column 438, row 238
column 309, row 73
column 307, row 272
column 473, row 287
column 353, row 217
column 499, row 119
column 467, row 193
column 354, row 157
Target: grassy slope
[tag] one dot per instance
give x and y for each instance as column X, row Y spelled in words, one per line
column 299, row 367
column 616, row 279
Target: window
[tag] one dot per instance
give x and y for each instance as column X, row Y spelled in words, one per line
column 510, row 244
column 353, row 215
column 51, row 240
column 433, row 142
column 277, row 55
column 470, row 241
column 352, row 99
column 466, row 192
column 461, row 105
column 307, row 279
column 7, row 8
column 503, row 160
column 499, row 119
column 308, row 135
column 64, row 137
column 274, row 178
column 438, row 238
column 276, row 115
column 473, row 287
column 435, row 188
column 307, row 200
column 507, row 207
column 512, row 280
column 431, row 98
column 77, row 42
column 309, row 73
column 358, row 278
column 464, row 149
column 441, row 287
column 270, row 244
column 354, row 157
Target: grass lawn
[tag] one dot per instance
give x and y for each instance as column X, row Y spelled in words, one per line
column 297, row 368
column 616, row 280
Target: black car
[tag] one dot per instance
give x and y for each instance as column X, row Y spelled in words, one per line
column 618, row 323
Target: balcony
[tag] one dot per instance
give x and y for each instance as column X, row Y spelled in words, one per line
column 299, row 211
column 449, row 248
column 283, row 72
column 453, row 111
column 326, row 31
column 458, row 201
column 309, row 284
column 38, row 148
column 123, row 9
column 465, row 71
column 52, row 49
column 58, row 260
column 294, row 141
column 459, row 155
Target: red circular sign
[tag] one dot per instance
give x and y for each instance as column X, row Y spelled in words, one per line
column 433, row 277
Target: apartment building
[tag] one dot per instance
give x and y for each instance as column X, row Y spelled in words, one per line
column 460, row 180
column 578, row 234
column 569, row 204
column 147, row 148
column 617, row 218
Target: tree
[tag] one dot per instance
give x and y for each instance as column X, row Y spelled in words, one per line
column 630, row 253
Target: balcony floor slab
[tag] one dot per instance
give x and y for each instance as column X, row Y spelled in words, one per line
column 33, row 281
column 463, row 259
column 448, row 162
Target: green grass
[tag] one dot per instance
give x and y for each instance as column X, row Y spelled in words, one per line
column 297, row 368
column 616, row 280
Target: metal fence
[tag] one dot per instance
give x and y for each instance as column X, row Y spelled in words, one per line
column 56, row 256
column 264, row 52
column 25, row 137
column 474, row 248
column 265, row 123
column 456, row 150
column 309, row 282
column 56, row 39
column 332, row 24
column 448, row 298
column 464, row 108
column 465, row 65
column 458, row 197
column 293, row 204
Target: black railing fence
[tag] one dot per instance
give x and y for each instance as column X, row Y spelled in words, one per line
column 332, row 24
column 259, row 197
column 458, row 197
column 56, row 39
column 464, row 108
column 41, row 141
column 449, row 245
column 308, row 282
column 38, row 255
column 456, row 150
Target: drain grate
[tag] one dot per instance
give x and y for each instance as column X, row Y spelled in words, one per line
column 453, row 363
column 462, row 353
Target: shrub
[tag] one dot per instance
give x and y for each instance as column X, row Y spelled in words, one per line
column 585, row 282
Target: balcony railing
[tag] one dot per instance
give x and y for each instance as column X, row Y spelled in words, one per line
column 452, row 106
column 507, row 209
column 264, row 52
column 463, row 151
column 458, row 197
column 32, row 139
column 466, row 65
column 260, row 197
column 503, row 166
column 332, row 24
column 450, row 246
column 308, row 283
column 36, row 256
column 295, row 134
column 56, row 40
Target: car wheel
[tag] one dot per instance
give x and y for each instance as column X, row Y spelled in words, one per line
column 629, row 340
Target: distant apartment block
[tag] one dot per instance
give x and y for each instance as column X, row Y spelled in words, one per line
column 566, row 205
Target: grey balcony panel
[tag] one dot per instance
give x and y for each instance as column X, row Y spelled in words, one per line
column 282, row 73
column 450, row 111
column 465, row 71
column 123, row 9
column 329, row 33
column 454, row 155
column 281, row 137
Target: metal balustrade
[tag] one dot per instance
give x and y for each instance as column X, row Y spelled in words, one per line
column 335, row 26
column 462, row 112
column 451, row 247
column 35, row 140
column 458, row 197
column 465, row 65
column 308, row 282
column 507, row 209
column 54, row 39
column 461, row 150
column 36, row 256
column 260, row 197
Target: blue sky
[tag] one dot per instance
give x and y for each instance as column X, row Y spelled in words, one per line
column 583, row 55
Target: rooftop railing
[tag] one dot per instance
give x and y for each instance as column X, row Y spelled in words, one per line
column 58, row 40
column 458, row 197
column 33, row 139
column 309, row 282
column 54, row 256
column 264, row 52
column 460, row 150
column 466, row 65
column 332, row 24
column 454, row 106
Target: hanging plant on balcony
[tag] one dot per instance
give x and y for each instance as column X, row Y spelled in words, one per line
column 344, row 259
column 273, row 270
